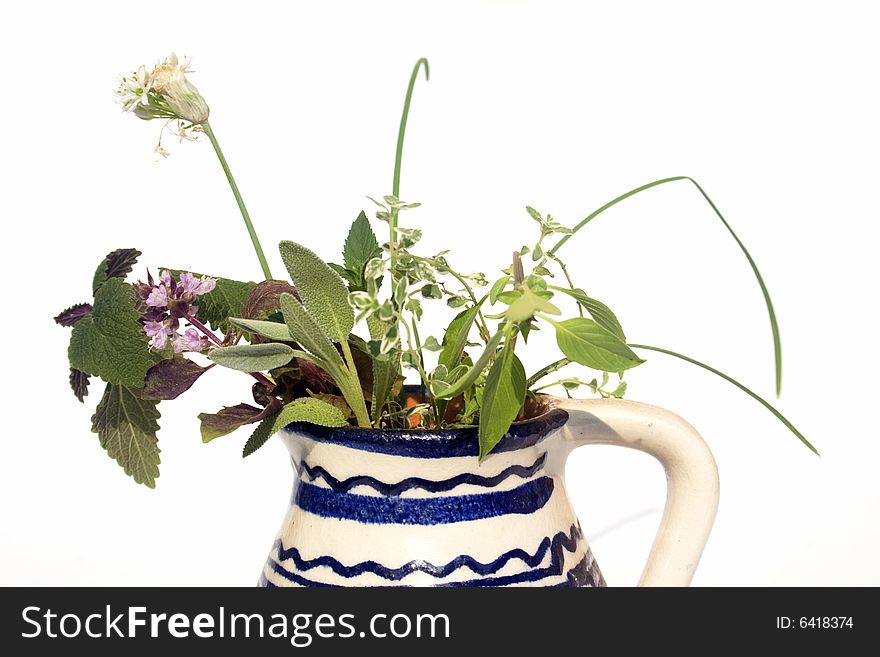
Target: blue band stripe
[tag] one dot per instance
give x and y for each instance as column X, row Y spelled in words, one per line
column 522, row 471
column 328, row 503
column 429, row 443
column 578, row 576
column 555, row 546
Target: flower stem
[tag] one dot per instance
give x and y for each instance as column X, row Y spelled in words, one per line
column 206, row 127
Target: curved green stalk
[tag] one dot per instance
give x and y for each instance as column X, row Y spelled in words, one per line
column 774, row 327
column 206, row 128
column 739, row 385
column 395, row 187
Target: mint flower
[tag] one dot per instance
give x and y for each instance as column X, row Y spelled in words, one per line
column 164, row 303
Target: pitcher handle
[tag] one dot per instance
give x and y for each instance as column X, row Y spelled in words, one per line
column 692, row 476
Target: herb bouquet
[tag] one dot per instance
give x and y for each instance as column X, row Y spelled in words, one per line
column 332, row 345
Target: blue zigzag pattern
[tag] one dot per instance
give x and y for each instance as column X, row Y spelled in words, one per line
column 556, row 546
column 522, row 471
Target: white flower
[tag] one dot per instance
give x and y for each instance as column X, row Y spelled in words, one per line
column 163, row 93
column 134, row 89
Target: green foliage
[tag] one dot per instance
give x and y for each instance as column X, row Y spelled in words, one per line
column 584, row 341
column 601, row 313
column 110, row 343
column 360, row 247
column 253, row 357
column 502, row 398
column 271, row 330
column 126, row 426
column 226, row 300
column 456, row 336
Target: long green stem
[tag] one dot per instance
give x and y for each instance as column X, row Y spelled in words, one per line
column 547, row 369
column 398, row 156
column 753, row 395
column 206, row 127
column 774, row 327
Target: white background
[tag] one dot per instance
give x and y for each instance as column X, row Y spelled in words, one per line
column 772, row 106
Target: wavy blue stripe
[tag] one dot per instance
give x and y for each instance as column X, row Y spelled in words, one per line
column 577, row 576
column 328, row 503
column 432, row 443
column 555, row 545
column 522, row 471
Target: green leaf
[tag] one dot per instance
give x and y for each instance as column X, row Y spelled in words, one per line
column 360, row 246
column 305, row 330
column 527, row 304
column 753, row 395
column 598, row 311
column 497, row 288
column 271, row 330
column 774, row 327
column 323, row 292
column 456, row 336
column 117, row 264
column 110, row 343
column 226, row 300
column 309, row 409
column 228, row 419
column 126, row 426
column 444, row 390
column 431, row 344
column 502, row 398
column 253, row 357
column 259, row 437
column 386, row 371
column 584, row 341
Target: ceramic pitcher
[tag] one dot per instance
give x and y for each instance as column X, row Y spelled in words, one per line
column 416, row 508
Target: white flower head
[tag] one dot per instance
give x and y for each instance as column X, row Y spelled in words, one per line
column 163, row 93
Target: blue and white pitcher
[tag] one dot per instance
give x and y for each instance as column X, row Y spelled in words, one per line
column 416, row 508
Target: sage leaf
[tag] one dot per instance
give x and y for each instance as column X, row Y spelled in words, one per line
column 502, row 398
column 601, row 313
column 110, row 343
column 584, row 341
column 259, row 437
column 305, row 330
column 309, row 409
column 253, row 357
column 271, row 330
column 456, row 336
column 170, row 378
column 323, row 292
column 126, row 426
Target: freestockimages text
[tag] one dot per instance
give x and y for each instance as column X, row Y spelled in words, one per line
column 299, row 629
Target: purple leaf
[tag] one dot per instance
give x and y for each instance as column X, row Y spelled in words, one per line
column 120, row 262
column 264, row 299
column 79, row 381
column 231, row 418
column 73, row 314
column 170, row 378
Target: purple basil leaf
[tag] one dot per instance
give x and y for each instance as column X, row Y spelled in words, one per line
column 170, row 378
column 264, row 299
column 73, row 314
column 231, row 418
column 79, row 381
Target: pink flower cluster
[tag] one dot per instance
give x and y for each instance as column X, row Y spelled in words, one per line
column 165, row 303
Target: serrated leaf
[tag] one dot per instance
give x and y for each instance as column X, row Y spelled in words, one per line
column 111, row 342
column 502, row 398
column 586, row 342
column 126, row 426
column 271, row 330
column 265, row 299
column 79, row 383
column 72, row 315
column 322, row 291
column 253, row 357
column 226, row 300
column 170, row 378
column 601, row 313
column 456, row 336
column 360, row 246
column 230, row 418
column 117, row 264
